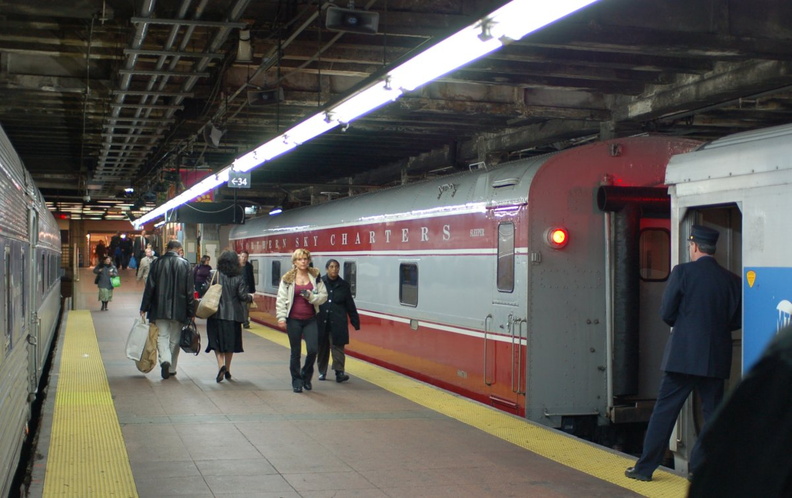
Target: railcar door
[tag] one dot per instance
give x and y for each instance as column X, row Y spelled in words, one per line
column 505, row 326
column 33, row 298
column 727, row 220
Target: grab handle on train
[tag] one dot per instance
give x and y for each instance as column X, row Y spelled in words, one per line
column 487, row 320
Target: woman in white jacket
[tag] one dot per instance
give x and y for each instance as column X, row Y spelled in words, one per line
column 300, row 293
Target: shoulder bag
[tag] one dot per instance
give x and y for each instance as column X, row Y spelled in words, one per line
column 190, row 340
column 210, row 300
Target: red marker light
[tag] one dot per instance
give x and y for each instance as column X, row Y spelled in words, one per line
column 557, row 237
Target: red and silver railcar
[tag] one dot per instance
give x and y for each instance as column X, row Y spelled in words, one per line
column 532, row 286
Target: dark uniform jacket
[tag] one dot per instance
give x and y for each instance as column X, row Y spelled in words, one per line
column 332, row 317
column 702, row 303
column 247, row 273
column 169, row 290
column 234, row 294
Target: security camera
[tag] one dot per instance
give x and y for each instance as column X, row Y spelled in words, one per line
column 87, row 198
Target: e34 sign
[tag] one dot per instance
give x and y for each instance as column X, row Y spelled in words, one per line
column 238, row 180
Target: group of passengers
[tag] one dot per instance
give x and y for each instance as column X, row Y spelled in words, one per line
column 311, row 307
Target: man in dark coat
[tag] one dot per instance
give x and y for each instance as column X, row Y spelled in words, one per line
column 139, row 246
column 250, row 280
column 333, row 324
column 168, row 300
column 746, row 448
column 702, row 303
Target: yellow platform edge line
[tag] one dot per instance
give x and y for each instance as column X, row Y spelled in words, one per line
column 562, row 448
column 87, row 456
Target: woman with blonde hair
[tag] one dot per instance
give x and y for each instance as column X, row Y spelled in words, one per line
column 300, row 293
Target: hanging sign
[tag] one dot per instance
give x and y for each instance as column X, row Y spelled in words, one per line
column 238, row 180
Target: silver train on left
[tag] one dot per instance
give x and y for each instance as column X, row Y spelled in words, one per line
column 30, row 302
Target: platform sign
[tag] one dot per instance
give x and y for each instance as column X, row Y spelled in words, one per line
column 238, row 180
column 767, row 308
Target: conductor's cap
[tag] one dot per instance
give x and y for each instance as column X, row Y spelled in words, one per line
column 703, row 235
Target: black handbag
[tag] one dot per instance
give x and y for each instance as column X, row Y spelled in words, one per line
column 190, row 340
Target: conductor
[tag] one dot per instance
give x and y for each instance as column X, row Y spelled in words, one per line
column 702, row 303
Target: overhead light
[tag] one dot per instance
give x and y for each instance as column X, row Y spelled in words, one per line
column 276, row 210
column 364, row 102
column 509, row 23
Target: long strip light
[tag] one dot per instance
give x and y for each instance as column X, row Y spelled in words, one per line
column 509, row 23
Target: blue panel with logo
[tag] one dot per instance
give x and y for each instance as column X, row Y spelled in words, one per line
column 767, row 309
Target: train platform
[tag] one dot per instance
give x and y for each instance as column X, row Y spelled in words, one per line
column 110, row 430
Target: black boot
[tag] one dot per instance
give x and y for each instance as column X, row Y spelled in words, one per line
column 104, row 305
column 341, row 376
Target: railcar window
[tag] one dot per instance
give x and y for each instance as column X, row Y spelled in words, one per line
column 506, row 257
column 255, row 264
column 408, row 284
column 654, row 246
column 41, row 274
column 276, row 274
column 350, row 275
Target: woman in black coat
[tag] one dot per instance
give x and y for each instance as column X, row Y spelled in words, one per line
column 333, row 324
column 224, row 328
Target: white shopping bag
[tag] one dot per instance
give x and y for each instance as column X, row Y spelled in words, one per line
column 137, row 339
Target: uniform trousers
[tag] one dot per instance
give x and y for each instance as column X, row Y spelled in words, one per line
column 296, row 330
column 674, row 390
column 168, row 342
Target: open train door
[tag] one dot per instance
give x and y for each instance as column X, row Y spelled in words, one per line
column 727, row 220
column 505, row 328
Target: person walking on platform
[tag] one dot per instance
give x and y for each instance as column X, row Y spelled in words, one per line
column 100, row 252
column 224, row 328
column 247, row 273
column 169, row 301
column 145, row 265
column 333, row 324
column 104, row 271
column 702, row 302
column 300, row 294
column 139, row 246
column 201, row 274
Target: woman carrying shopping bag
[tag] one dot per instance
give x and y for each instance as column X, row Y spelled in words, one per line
column 105, row 271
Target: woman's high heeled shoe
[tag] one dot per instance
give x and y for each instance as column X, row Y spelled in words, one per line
column 221, row 374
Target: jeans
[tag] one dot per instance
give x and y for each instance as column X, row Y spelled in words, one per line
column 296, row 330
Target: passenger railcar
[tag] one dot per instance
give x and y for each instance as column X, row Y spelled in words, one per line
column 532, row 286
column 740, row 186
column 29, row 301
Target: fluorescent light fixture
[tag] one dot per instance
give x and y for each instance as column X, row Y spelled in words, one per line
column 310, row 128
column 363, row 103
column 446, row 56
column 196, row 190
column 276, row 210
column 509, row 23
column 520, row 17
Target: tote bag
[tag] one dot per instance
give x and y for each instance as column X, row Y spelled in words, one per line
column 136, row 341
column 115, row 281
column 148, row 360
column 210, row 300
